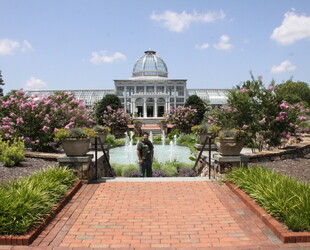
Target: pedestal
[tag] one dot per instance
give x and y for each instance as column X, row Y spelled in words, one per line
column 225, row 163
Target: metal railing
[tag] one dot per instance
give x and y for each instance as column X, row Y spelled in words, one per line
column 109, row 171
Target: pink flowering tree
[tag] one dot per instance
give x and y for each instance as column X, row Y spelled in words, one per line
column 117, row 120
column 34, row 118
column 182, row 117
column 265, row 116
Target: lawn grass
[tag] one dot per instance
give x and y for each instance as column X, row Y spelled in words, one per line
column 285, row 198
column 26, row 202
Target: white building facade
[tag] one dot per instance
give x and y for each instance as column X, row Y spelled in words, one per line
column 149, row 92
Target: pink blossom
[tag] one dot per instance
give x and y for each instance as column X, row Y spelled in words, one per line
column 263, row 121
column 45, row 128
column 260, row 77
column 244, row 90
column 12, row 115
column 271, row 88
column 284, row 105
column 245, row 126
column 302, row 118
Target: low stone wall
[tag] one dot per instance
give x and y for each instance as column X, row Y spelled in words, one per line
column 290, row 152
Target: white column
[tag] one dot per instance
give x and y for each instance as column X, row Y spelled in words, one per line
column 155, row 107
column 144, row 108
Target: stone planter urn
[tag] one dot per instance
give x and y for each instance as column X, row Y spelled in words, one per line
column 229, row 146
column 75, row 147
column 202, row 137
column 102, row 136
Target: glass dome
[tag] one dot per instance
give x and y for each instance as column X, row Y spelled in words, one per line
column 150, row 65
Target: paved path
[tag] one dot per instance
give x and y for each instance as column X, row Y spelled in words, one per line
column 153, row 214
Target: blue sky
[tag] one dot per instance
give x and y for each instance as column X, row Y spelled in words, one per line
column 80, row 44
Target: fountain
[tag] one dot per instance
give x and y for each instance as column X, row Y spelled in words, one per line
column 163, row 138
column 151, row 136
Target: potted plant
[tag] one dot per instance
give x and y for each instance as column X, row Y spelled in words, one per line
column 101, row 132
column 75, row 141
column 230, row 141
column 202, row 131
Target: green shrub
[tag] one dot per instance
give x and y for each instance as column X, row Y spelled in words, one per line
column 11, row 153
column 25, row 202
column 114, row 142
column 285, row 198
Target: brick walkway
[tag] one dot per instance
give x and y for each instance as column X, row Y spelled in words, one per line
column 159, row 215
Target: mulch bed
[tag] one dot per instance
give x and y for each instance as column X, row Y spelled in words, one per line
column 298, row 168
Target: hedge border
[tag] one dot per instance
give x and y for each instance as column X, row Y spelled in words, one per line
column 29, row 237
column 275, row 226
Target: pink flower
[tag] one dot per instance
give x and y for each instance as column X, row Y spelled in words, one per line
column 262, row 121
column 45, row 128
column 259, row 77
column 302, row 118
column 284, row 105
column 271, row 88
column 245, row 126
column 244, row 90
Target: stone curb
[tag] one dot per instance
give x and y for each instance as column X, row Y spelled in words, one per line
column 28, row 238
column 279, row 229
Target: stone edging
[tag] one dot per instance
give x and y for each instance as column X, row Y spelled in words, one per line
column 279, row 229
column 291, row 153
column 28, row 238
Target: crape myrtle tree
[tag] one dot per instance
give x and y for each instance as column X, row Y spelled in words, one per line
column 1, row 84
column 34, row 119
column 201, row 107
column 267, row 118
column 110, row 100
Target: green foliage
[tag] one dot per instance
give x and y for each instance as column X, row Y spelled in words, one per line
column 293, row 92
column 11, row 152
column 109, row 100
column 203, row 128
column 25, row 202
column 114, row 142
column 1, row 83
column 173, row 133
column 74, row 133
column 187, row 139
column 197, row 103
column 285, row 198
column 171, row 168
column 101, row 129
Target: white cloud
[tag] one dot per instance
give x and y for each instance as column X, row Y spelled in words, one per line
column 26, row 46
column 202, row 46
column 178, row 22
column 35, row 83
column 223, row 43
column 294, row 27
column 8, row 47
column 283, row 67
column 103, row 57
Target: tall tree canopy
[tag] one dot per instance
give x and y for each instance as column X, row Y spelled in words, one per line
column 1, row 83
column 197, row 103
column 109, row 100
column 293, row 92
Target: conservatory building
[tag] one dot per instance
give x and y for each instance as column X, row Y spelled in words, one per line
column 149, row 92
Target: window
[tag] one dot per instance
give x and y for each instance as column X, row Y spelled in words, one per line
column 130, row 90
column 180, row 90
column 172, row 100
column 170, row 90
column 160, row 89
column 140, row 89
column 180, row 100
column 149, row 89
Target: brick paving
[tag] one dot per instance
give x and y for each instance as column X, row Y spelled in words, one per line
column 175, row 215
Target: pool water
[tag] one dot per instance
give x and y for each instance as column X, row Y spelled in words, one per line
column 162, row 153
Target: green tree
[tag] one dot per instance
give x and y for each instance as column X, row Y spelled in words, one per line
column 1, row 83
column 294, row 92
column 195, row 102
column 109, row 100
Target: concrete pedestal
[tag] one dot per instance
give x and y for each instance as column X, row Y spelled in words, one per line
column 85, row 166
column 225, row 163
